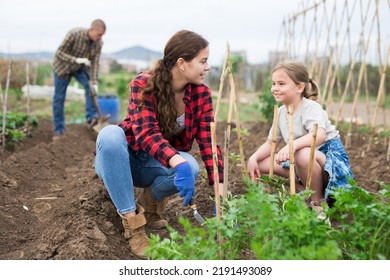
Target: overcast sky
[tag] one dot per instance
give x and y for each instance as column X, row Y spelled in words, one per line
column 250, row 25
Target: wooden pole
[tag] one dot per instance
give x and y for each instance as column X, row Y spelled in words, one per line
column 273, row 147
column 226, row 163
column 28, row 100
column 350, row 74
column 328, row 75
column 2, row 100
column 5, row 103
column 215, row 170
column 367, row 96
column 381, row 91
column 381, row 87
column 216, row 183
column 1, row 95
column 312, row 150
column 227, row 134
column 221, row 81
column 290, row 118
column 238, row 125
column 360, row 80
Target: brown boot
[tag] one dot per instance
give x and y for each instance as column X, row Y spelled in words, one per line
column 135, row 233
column 153, row 209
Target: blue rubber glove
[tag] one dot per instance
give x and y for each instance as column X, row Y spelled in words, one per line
column 184, row 181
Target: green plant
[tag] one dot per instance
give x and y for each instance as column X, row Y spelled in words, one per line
column 363, row 220
column 15, row 129
column 244, row 131
column 286, row 228
column 200, row 243
column 252, row 222
column 183, row 247
column 365, row 130
column 280, row 226
column 343, row 127
column 384, row 133
column 121, row 87
column 235, row 158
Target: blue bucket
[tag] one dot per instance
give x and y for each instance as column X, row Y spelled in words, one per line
column 109, row 104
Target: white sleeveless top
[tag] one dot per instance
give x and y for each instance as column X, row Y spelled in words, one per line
column 180, row 123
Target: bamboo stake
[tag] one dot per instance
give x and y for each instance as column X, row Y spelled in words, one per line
column 226, row 163
column 5, row 102
column 1, row 95
column 350, row 74
column 338, row 51
column 328, row 46
column 388, row 151
column 313, row 71
column 290, row 118
column 314, row 6
column 227, row 134
column 215, row 169
column 360, row 80
column 273, row 147
column 221, row 81
column 380, row 61
column 303, row 33
column 312, row 150
column 238, row 125
column 28, row 100
column 381, row 87
column 1, row 100
column 328, row 75
column 367, row 96
column 381, row 91
column 216, row 181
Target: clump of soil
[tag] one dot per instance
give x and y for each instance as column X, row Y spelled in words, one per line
column 53, row 206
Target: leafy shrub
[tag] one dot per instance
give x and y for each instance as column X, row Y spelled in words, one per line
column 15, row 129
column 255, row 222
column 121, row 87
column 280, row 226
column 363, row 223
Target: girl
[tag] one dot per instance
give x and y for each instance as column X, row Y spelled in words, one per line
column 168, row 108
column 291, row 86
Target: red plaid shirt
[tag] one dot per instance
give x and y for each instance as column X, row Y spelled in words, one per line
column 143, row 132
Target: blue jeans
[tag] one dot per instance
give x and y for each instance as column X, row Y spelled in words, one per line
column 121, row 170
column 60, row 86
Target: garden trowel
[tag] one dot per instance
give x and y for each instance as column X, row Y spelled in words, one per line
column 197, row 216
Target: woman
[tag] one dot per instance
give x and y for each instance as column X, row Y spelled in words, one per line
column 168, row 108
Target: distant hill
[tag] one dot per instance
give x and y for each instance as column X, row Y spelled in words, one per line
column 29, row 55
column 136, row 53
column 132, row 53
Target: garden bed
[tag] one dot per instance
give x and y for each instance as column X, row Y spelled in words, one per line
column 53, row 206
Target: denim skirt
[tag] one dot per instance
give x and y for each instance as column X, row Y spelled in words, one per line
column 336, row 165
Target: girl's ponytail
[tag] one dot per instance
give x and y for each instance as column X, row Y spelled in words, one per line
column 311, row 90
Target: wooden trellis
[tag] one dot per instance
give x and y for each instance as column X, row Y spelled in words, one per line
column 227, row 72
column 341, row 37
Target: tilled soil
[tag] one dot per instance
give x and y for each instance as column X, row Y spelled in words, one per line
column 53, row 206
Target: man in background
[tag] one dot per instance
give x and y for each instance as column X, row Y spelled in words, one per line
column 77, row 56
